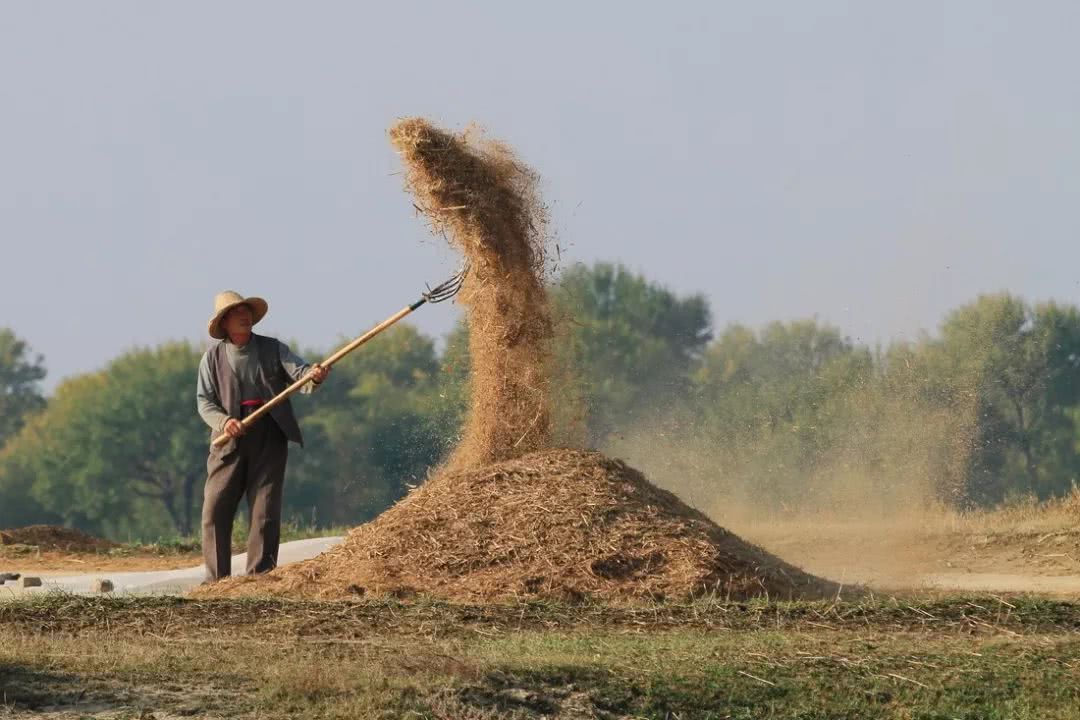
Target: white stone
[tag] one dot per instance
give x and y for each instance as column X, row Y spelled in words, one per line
column 101, row 585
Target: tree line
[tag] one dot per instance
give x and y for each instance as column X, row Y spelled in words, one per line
column 985, row 408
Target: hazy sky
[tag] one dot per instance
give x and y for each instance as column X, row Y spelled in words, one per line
column 874, row 164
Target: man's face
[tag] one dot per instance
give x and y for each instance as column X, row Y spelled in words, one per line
column 237, row 321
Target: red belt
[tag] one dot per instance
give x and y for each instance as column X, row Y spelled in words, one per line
column 251, row 403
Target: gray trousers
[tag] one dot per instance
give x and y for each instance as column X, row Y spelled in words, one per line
column 253, row 465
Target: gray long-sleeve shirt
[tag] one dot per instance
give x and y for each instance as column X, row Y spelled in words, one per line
column 244, row 361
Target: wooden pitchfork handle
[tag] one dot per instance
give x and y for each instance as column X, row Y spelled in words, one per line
column 438, row 294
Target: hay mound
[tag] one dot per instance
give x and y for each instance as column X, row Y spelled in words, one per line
column 54, row 537
column 506, row 517
column 478, row 194
column 564, row 524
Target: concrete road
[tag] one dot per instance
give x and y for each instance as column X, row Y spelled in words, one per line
column 1005, row 582
column 167, row 582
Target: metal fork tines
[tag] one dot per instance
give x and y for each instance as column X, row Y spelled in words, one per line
column 448, row 289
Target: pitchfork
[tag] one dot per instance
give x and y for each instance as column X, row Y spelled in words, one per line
column 437, row 294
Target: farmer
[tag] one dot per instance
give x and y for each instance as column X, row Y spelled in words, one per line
column 236, row 376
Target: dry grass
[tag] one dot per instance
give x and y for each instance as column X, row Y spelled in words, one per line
column 974, row 657
column 274, row 620
column 479, row 194
column 1022, row 515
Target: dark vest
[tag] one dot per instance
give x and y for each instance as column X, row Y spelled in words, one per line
column 271, row 380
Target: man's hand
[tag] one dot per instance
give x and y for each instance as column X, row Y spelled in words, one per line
column 233, row 428
column 319, row 373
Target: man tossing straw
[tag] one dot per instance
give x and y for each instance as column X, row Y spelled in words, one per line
column 236, row 377
column 247, row 376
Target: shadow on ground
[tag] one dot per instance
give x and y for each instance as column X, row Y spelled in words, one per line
column 36, row 692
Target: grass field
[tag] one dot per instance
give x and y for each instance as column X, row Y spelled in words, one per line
column 917, row 656
column 946, row 657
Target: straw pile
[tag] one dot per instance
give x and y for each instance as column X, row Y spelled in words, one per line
column 562, row 524
column 507, row 517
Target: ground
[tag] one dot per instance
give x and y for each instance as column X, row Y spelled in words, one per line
column 30, row 559
column 901, row 557
column 996, row 553
column 945, row 657
column 58, row 558
column 903, row 652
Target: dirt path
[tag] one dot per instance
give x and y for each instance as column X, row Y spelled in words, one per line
column 1065, row 585
column 171, row 581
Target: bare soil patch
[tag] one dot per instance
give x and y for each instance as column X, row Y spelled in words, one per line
column 50, row 548
column 31, row 560
column 54, row 537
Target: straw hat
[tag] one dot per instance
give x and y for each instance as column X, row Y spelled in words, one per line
column 226, row 301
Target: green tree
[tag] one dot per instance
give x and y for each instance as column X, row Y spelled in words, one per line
column 371, row 430
column 773, row 405
column 18, row 506
column 1020, row 367
column 625, row 344
column 779, row 375
column 20, row 375
column 121, row 450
